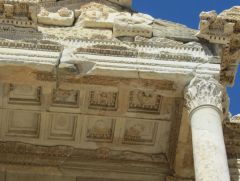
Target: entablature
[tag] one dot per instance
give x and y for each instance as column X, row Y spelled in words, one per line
column 223, row 31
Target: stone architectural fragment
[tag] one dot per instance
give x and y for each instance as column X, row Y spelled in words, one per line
column 132, row 26
column 63, row 17
column 222, row 30
column 126, row 3
column 204, row 91
column 91, row 90
column 204, row 99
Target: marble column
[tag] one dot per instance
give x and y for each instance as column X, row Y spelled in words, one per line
column 204, row 99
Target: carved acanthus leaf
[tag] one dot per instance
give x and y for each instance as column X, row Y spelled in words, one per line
column 203, row 91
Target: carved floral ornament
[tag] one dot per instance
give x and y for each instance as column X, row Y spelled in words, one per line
column 203, row 91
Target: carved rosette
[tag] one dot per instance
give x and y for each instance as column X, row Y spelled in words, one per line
column 203, row 91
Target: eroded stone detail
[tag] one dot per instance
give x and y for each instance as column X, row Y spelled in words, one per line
column 135, row 25
column 58, row 155
column 95, row 15
column 64, row 17
column 106, row 45
column 22, row 123
column 65, row 98
column 140, row 132
column 22, row 94
column 203, row 91
column 223, row 30
column 62, row 127
column 8, row 10
column 144, row 101
column 100, row 129
column 103, row 100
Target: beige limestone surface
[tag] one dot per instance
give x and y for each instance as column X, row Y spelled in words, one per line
column 92, row 90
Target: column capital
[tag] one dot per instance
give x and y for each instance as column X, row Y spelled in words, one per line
column 203, row 91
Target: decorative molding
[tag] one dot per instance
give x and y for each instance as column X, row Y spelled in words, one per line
column 100, row 129
column 144, row 101
column 28, row 154
column 45, row 76
column 65, row 98
column 164, row 85
column 21, row 123
column 24, row 95
column 103, row 100
column 17, row 33
column 203, row 91
column 41, row 46
column 175, row 131
column 138, row 131
column 223, row 30
column 62, row 126
column 184, row 52
column 113, row 50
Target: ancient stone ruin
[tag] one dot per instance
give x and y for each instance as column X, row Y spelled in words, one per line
column 91, row 90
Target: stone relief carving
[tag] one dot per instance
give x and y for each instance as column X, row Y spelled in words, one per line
column 64, row 12
column 24, row 94
column 95, row 15
column 115, row 50
column 144, row 101
column 135, row 25
column 136, row 132
column 22, row 153
column 62, row 127
column 206, row 19
column 103, row 100
column 203, row 91
column 122, row 23
column 103, row 153
column 8, row 10
column 223, row 30
column 63, row 17
column 43, row 46
column 21, row 10
column 65, row 98
column 140, row 132
column 43, row 12
column 17, row 14
column 100, row 129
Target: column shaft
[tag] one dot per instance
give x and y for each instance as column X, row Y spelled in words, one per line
column 209, row 151
column 204, row 96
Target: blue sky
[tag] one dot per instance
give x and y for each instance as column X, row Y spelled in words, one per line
column 187, row 12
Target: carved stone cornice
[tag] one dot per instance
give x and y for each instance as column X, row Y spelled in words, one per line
column 29, row 154
column 203, row 91
column 223, row 31
column 34, row 45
